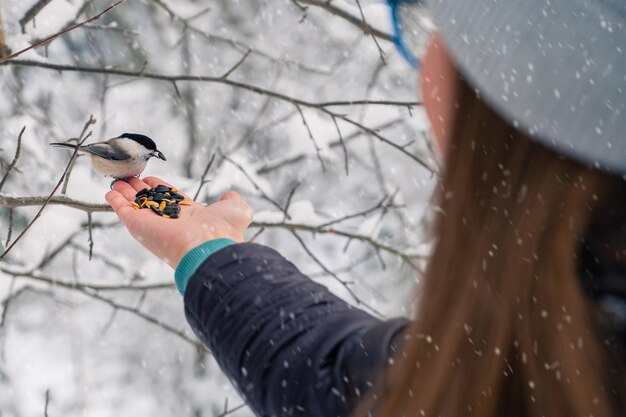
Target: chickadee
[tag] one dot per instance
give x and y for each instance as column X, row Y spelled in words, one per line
column 121, row 157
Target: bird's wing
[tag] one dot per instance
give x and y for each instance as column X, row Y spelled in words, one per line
column 104, row 150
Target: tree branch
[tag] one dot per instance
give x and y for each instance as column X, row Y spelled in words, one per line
column 32, row 13
column 359, row 23
column 45, row 203
column 14, row 202
column 62, row 32
column 15, row 158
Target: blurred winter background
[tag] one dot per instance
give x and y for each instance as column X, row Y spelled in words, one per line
column 299, row 105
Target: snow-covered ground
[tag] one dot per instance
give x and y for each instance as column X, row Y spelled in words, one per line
column 129, row 352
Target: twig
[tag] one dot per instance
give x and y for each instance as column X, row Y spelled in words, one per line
column 90, row 122
column 32, row 12
column 257, row 118
column 237, row 65
column 203, row 179
column 227, row 81
column 299, row 6
column 232, row 410
column 406, row 257
column 257, row 234
column 13, row 202
column 90, row 240
column 237, row 44
column 15, row 158
column 384, row 140
column 265, row 169
column 335, row 276
column 288, row 203
column 57, row 282
column 5, row 304
column 54, row 190
column 253, row 182
column 364, row 26
column 62, row 32
column 380, row 50
column 45, row 409
column 381, row 204
column 308, row 129
column 343, row 146
column 408, row 104
column 11, row 214
column 143, row 315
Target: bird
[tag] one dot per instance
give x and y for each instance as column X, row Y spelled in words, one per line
column 121, row 157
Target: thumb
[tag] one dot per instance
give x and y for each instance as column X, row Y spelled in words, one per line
column 230, row 195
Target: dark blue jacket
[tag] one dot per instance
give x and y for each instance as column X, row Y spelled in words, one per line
column 289, row 345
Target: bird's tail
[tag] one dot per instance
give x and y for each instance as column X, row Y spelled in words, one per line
column 63, row 145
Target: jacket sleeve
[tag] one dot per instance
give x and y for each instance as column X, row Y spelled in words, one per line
column 288, row 345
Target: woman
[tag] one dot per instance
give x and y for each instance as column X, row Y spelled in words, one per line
column 521, row 312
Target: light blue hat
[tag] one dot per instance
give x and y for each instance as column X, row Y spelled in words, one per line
column 555, row 69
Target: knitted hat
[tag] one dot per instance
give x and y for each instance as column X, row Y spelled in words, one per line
column 555, row 69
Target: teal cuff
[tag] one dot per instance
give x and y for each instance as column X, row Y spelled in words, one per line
column 194, row 258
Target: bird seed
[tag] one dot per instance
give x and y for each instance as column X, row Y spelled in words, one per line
column 163, row 200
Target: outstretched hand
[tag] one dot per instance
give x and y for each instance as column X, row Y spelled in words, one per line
column 171, row 239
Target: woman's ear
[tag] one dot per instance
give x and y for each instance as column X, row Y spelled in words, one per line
column 438, row 78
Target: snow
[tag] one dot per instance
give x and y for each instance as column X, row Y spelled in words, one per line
column 100, row 361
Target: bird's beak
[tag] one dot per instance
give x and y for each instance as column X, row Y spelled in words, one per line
column 159, row 155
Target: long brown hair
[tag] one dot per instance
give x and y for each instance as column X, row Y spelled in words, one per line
column 503, row 327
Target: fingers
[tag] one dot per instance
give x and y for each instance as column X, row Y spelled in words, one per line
column 120, row 204
column 138, row 184
column 125, row 189
column 230, row 195
column 154, row 181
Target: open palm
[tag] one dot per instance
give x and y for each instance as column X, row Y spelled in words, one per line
column 170, row 239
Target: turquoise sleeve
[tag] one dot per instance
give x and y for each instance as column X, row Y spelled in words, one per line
column 194, row 258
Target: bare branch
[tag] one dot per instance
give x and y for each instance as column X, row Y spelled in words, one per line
column 266, row 169
column 253, row 182
column 343, row 146
column 10, row 231
column 54, row 190
column 383, row 139
column 381, row 205
column 237, row 64
column 89, row 225
column 45, row 408
column 406, row 257
column 364, row 26
column 62, row 32
column 408, row 104
column 32, row 13
column 90, row 122
column 237, row 44
column 308, row 129
column 335, row 276
column 57, row 282
column 13, row 202
column 203, row 179
column 232, row 410
column 380, row 50
column 15, row 158
column 258, row 90
column 288, row 203
column 143, row 315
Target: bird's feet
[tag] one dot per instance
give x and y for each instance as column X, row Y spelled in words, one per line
column 118, row 179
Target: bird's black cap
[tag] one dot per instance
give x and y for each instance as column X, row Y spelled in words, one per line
column 141, row 139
